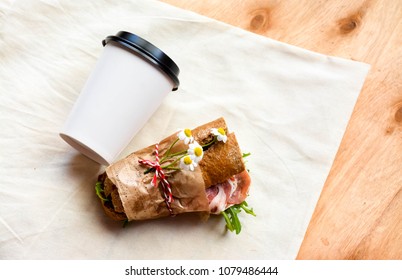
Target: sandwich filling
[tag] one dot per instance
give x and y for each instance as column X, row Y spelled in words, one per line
column 232, row 191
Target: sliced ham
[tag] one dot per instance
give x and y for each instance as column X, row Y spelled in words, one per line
column 233, row 191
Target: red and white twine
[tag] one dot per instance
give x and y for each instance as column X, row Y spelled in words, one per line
column 167, row 190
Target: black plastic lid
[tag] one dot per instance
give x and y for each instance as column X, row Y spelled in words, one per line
column 149, row 52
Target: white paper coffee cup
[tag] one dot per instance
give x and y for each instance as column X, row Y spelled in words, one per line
column 128, row 84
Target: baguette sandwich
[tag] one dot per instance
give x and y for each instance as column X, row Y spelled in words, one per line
column 200, row 170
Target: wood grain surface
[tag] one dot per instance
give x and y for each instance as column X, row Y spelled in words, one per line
column 359, row 213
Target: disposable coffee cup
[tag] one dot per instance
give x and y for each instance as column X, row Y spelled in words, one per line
column 127, row 85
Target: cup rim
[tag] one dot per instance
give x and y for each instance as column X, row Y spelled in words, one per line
column 148, row 51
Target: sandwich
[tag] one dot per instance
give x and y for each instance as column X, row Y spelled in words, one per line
column 193, row 170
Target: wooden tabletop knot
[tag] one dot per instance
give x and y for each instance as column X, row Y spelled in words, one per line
column 260, row 20
column 398, row 115
column 347, row 25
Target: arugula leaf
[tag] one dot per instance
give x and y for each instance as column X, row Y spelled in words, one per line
column 246, row 155
column 99, row 191
column 245, row 161
column 231, row 217
column 244, row 206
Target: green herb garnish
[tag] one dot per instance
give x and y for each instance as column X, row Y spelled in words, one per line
column 231, row 218
column 99, row 191
column 246, row 154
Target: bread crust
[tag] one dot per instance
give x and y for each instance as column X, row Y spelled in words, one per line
column 221, row 161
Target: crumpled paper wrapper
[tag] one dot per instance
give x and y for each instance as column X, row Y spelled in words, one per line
column 142, row 201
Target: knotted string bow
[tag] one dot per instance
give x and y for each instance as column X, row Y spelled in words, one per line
column 167, row 190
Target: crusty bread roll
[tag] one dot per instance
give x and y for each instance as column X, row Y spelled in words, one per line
column 130, row 195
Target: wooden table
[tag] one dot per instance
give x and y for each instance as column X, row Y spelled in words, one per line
column 359, row 213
